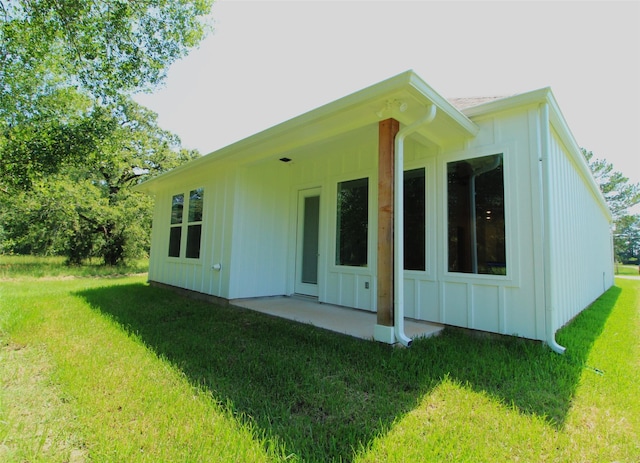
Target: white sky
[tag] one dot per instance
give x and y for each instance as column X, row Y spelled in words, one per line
column 269, row 61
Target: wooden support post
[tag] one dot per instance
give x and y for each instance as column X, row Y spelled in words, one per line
column 387, row 131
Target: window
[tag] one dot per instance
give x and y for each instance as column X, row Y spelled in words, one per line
column 193, row 241
column 414, row 220
column 175, row 234
column 352, row 223
column 193, row 224
column 476, row 227
column 194, row 229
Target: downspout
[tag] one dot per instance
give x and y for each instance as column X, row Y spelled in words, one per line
column 549, row 286
column 398, row 225
column 472, row 202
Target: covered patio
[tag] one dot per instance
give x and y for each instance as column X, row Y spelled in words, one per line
column 344, row 320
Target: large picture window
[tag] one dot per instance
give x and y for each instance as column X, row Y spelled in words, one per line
column 414, row 220
column 476, row 220
column 352, row 223
column 193, row 224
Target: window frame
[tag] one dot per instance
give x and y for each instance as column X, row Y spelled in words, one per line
column 512, row 273
column 336, row 242
column 194, row 222
column 185, row 224
column 425, row 217
column 175, row 225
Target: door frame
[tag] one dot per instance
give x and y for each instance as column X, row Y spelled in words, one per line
column 306, row 289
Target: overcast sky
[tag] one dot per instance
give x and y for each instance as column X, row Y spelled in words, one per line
column 268, row 61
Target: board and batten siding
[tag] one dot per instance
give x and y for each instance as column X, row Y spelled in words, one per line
column 347, row 157
column 260, row 231
column 500, row 304
column 581, row 258
column 250, row 229
column 196, row 274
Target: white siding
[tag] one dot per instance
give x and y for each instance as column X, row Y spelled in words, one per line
column 217, row 236
column 251, row 214
column 348, row 157
column 582, row 266
column 196, row 274
column 260, row 231
column 499, row 304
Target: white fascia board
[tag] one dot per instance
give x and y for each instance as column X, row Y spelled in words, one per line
column 315, row 115
column 560, row 125
column 358, row 99
column 507, row 103
column 407, row 80
column 443, row 104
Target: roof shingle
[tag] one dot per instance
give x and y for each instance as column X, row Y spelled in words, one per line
column 468, row 102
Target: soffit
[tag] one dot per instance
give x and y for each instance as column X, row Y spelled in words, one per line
column 405, row 97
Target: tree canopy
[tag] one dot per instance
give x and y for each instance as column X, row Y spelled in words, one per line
column 106, row 47
column 88, row 208
column 62, row 62
column 72, row 141
column 621, row 195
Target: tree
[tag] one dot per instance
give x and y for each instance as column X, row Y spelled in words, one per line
column 618, row 192
column 64, row 130
column 106, row 47
column 54, row 53
column 627, row 239
column 621, row 196
column 89, row 208
column 136, row 148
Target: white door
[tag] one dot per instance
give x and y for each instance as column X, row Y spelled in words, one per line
column 307, row 242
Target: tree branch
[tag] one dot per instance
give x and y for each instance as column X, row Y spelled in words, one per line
column 90, row 220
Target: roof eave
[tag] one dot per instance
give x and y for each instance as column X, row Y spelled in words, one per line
column 444, row 105
column 558, row 122
column 508, row 103
column 407, row 80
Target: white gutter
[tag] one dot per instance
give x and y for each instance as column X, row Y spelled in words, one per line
column 398, row 226
column 549, row 285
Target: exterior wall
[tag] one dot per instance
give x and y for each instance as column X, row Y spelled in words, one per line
column 196, row 274
column 422, row 289
column 249, row 225
column 250, row 228
column 511, row 304
column 501, row 304
column 348, row 157
column 260, row 231
column 582, row 262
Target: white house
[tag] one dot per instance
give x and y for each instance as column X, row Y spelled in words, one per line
column 498, row 222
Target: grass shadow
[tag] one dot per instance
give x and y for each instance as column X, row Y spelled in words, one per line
column 326, row 395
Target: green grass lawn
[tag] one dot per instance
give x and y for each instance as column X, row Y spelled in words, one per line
column 24, row 267
column 627, row 270
column 115, row 370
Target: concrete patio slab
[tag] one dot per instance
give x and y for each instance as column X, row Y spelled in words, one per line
column 353, row 322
